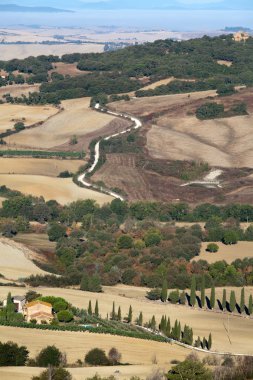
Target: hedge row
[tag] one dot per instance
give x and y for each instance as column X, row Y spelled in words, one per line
column 42, row 154
column 95, row 330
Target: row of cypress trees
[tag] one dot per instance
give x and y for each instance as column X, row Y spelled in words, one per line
column 231, row 305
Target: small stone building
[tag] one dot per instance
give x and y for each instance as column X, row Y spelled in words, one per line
column 241, row 36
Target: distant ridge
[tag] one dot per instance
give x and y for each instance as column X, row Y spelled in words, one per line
column 20, row 8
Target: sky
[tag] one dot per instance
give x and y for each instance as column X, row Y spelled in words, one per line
column 139, row 4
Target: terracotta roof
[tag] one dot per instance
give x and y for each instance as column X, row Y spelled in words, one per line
column 33, row 303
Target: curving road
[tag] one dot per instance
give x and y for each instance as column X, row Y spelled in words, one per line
column 82, row 178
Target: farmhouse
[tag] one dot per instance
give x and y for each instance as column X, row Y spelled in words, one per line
column 3, row 74
column 241, row 36
column 19, row 302
column 39, row 311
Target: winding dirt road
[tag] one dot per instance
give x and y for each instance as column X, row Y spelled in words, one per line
column 82, row 178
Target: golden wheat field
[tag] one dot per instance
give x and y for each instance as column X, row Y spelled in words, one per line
column 38, row 166
column 120, row 372
column 203, row 322
column 75, row 119
column 29, row 115
column 77, row 344
column 229, row 253
column 15, row 262
column 63, row 190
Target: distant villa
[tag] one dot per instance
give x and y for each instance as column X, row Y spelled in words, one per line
column 241, row 36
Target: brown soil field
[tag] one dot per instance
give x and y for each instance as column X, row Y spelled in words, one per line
column 122, row 171
column 76, row 119
column 76, row 345
column 219, row 142
column 229, row 253
column 155, row 104
column 67, row 69
column 203, row 322
column 63, row 190
column 119, row 171
column 18, row 89
column 37, row 166
column 121, row 372
column 8, row 52
column 15, row 262
column 10, row 114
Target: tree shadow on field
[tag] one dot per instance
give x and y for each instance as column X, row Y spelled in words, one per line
column 208, row 303
column 220, row 305
column 199, row 302
column 188, row 299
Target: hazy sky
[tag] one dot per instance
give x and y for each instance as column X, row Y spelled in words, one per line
column 139, row 4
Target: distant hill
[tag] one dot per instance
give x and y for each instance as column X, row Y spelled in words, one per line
column 20, row 8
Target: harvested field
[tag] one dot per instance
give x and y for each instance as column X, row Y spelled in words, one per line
column 38, row 166
column 156, row 104
column 221, row 142
column 63, row 190
column 161, row 82
column 15, row 260
column 225, row 63
column 8, row 52
column 11, row 113
column 76, row 345
column 76, row 119
column 229, row 253
column 202, row 322
column 66, row 69
column 18, row 89
column 36, row 242
column 122, row 372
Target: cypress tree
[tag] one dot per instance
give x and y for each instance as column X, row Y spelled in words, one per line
column 203, row 292
column 204, row 343
column 197, row 342
column 193, row 292
column 242, row 302
column 119, row 314
column 161, row 326
column 179, row 332
column 250, row 308
column 90, row 308
column 210, row 342
column 140, row 321
column 113, row 315
column 130, row 315
column 164, row 293
column 224, row 299
column 232, row 303
column 182, row 298
column 153, row 323
column 191, row 337
column 212, row 298
column 168, row 328
column 96, row 309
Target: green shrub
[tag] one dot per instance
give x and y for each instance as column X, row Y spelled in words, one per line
column 154, row 294
column 13, row 355
column 54, row 374
column 212, row 247
column 96, row 357
column 65, row 316
column 210, row 111
column 49, row 355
